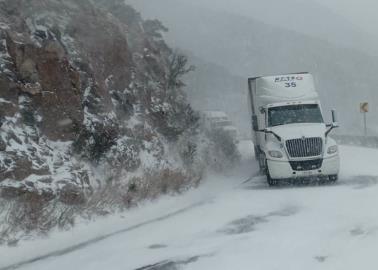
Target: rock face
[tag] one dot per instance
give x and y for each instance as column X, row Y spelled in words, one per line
column 88, row 94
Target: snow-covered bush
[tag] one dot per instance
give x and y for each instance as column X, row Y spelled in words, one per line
column 124, row 155
column 94, row 141
column 202, row 150
column 223, row 152
column 157, row 182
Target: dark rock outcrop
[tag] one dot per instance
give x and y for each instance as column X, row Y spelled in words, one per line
column 86, row 96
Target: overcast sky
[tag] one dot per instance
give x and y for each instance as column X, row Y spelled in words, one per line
column 311, row 17
column 363, row 13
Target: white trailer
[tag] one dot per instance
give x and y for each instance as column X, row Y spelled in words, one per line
column 288, row 130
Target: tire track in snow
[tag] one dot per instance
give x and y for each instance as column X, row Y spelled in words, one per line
column 101, row 238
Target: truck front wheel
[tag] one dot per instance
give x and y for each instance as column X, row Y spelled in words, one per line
column 263, row 164
column 271, row 181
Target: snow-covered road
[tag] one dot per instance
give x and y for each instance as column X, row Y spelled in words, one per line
column 228, row 224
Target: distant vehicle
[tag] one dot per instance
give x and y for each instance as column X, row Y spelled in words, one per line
column 288, row 130
column 213, row 120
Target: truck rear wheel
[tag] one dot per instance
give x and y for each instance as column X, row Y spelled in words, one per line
column 333, row 178
column 256, row 153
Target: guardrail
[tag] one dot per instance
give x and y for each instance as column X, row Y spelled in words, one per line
column 369, row 141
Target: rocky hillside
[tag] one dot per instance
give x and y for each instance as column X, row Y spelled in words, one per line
column 90, row 96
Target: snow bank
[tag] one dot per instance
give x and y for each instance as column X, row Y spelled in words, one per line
column 226, row 224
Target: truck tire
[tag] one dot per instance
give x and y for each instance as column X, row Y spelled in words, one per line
column 271, row 182
column 262, row 163
column 333, row 178
column 257, row 153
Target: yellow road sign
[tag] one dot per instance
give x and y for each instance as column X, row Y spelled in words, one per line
column 364, row 107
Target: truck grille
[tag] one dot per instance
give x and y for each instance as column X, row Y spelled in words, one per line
column 307, row 165
column 306, row 147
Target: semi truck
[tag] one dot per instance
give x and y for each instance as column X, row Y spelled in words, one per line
column 291, row 139
column 218, row 120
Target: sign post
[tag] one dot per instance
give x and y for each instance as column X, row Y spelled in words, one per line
column 364, row 108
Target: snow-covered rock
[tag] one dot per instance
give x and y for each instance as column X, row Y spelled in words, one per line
column 93, row 117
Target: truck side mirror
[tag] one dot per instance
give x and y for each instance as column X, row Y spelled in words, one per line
column 335, row 123
column 255, row 124
column 268, row 131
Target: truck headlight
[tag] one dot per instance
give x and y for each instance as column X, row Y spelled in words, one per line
column 332, row 149
column 275, row 154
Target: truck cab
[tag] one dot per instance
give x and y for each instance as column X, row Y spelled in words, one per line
column 218, row 120
column 290, row 135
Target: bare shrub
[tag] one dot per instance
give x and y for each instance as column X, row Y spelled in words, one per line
column 33, row 214
column 94, row 141
column 223, row 152
column 155, row 183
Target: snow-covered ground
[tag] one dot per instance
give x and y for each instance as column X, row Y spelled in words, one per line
column 229, row 223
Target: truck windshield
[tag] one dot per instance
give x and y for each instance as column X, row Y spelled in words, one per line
column 283, row 115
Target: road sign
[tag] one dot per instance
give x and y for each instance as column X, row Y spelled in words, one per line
column 364, row 107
